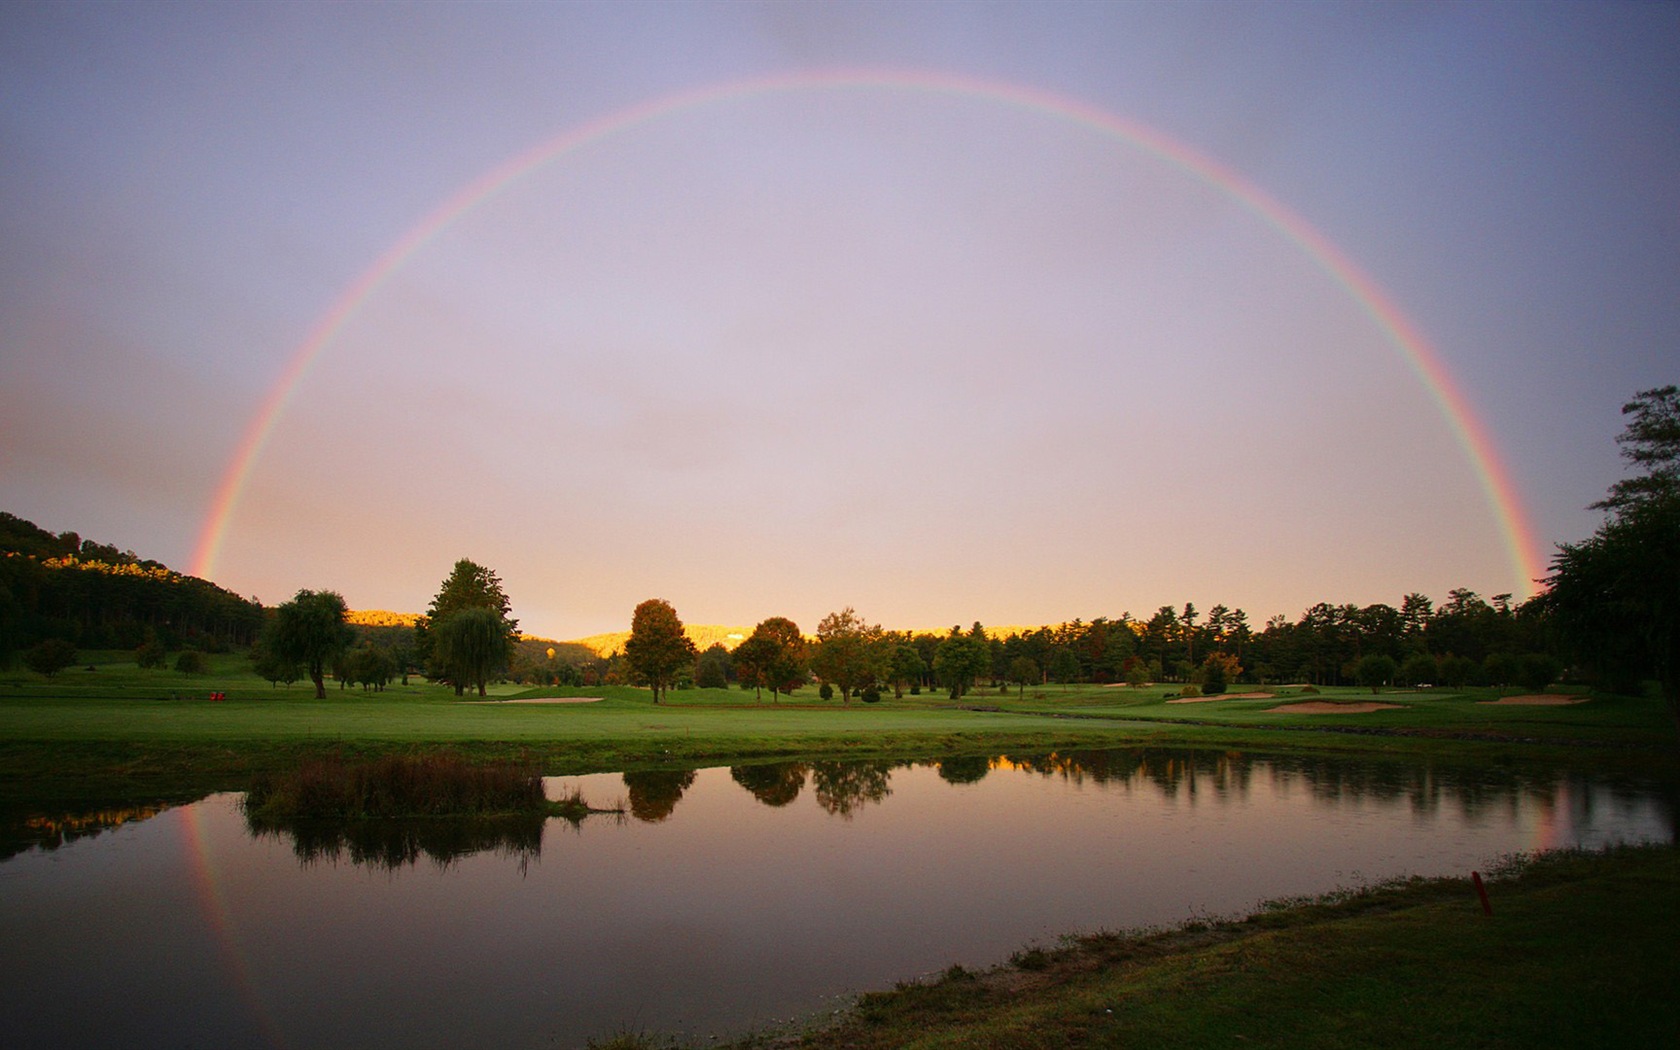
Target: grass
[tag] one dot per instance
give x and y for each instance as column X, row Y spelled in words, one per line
column 118, row 732
column 429, row 785
column 1578, row 953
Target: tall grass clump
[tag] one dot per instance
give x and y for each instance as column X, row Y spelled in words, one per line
column 432, row 785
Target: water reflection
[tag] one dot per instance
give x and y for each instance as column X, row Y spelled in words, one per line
column 969, row 770
column 48, row 831
column 655, row 793
column 779, row 907
column 391, row 844
column 774, row 783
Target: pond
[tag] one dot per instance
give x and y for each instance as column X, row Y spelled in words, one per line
column 719, row 899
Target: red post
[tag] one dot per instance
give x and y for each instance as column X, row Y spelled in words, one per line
column 1481, row 891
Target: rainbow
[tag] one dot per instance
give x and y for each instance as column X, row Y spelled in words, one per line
column 1470, row 433
column 236, row 963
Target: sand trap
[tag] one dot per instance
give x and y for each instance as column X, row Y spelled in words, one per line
column 1537, row 700
column 1324, row 707
column 542, row 700
column 1221, row 696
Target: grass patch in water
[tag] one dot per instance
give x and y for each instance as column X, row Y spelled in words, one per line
column 436, row 784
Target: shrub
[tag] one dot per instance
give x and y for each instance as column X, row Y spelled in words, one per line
column 191, row 661
column 870, row 695
column 1191, row 690
column 50, row 657
column 150, row 654
column 1536, row 671
column 826, row 691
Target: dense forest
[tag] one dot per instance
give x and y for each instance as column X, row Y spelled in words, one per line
column 95, row 596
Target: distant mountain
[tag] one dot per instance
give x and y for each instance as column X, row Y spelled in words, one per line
column 704, row 636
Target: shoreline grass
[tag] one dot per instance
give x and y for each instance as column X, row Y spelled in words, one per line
column 1577, row 953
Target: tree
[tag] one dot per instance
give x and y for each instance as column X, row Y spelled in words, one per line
column 1022, row 670
column 962, row 659
column 1375, row 670
column 50, row 657
column 150, row 653
column 1651, row 440
column 469, row 645
column 271, row 667
column 1418, row 669
column 657, row 648
column 1217, row 671
column 310, row 630
column 1064, row 665
column 1616, row 596
column 907, row 667
column 712, row 672
column 772, row 657
column 469, row 585
column 1536, row 671
column 850, row 653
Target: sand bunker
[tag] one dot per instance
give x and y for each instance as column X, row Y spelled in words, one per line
column 1221, row 696
column 1537, row 700
column 543, row 700
column 1324, row 707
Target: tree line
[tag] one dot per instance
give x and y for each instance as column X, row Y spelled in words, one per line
column 1609, row 614
column 82, row 594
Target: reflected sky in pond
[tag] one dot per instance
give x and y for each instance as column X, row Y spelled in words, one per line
column 721, row 899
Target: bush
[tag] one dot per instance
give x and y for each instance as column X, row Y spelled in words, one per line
column 870, row 695
column 1536, row 671
column 151, row 654
column 50, row 657
column 826, row 691
column 915, row 690
column 1191, row 690
column 191, row 661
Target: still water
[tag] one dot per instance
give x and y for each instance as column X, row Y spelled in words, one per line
column 720, row 899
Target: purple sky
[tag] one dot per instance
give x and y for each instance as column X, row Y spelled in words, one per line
column 929, row 355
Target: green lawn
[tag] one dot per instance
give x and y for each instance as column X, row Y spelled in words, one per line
column 115, row 730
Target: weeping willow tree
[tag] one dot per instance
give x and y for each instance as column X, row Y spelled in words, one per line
column 470, row 645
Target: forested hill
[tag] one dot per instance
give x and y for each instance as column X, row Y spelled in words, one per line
column 98, row 596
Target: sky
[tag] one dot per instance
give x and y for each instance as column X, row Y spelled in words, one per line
column 944, row 311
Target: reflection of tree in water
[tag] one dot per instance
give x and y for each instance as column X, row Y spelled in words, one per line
column 842, row 788
column 655, row 793
column 23, row 827
column 774, row 783
column 391, row 844
column 969, row 769
column 1426, row 787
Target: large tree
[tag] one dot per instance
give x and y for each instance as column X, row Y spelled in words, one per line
column 310, row 630
column 469, row 585
column 470, row 645
column 963, row 659
column 658, row 648
column 1616, row 596
column 772, row 657
column 850, row 653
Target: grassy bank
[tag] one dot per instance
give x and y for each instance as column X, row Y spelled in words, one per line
column 1579, row 952
column 119, row 732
